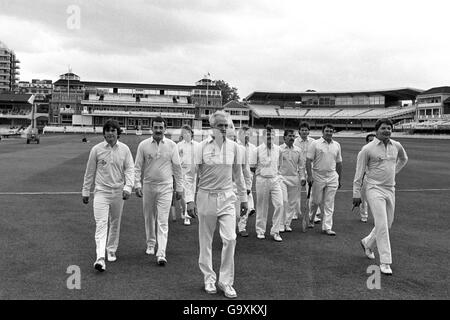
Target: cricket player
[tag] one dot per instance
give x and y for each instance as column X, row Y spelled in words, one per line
column 324, row 169
column 379, row 161
column 267, row 157
column 292, row 174
column 217, row 158
column 248, row 148
column 111, row 165
column 186, row 149
column 157, row 164
column 364, row 208
column 303, row 142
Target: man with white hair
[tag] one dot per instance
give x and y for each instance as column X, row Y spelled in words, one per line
column 217, row 159
column 266, row 157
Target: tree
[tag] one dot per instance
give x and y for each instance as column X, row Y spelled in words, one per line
column 228, row 93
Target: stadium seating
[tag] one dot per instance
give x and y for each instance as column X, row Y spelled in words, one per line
column 292, row 113
column 265, row 111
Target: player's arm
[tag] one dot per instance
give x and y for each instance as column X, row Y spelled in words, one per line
column 361, row 164
column 138, row 165
column 310, row 155
column 129, row 175
column 91, row 169
column 177, row 172
column 301, row 169
column 238, row 178
column 402, row 159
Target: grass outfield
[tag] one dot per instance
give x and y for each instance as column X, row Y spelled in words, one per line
column 43, row 234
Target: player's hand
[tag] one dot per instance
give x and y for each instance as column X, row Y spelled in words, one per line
column 85, row 200
column 303, row 182
column 178, row 195
column 244, row 208
column 126, row 195
column 340, row 184
column 190, row 208
column 138, row 192
column 310, row 180
column 248, row 191
column 356, row 203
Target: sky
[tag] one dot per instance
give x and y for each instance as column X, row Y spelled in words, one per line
column 254, row 45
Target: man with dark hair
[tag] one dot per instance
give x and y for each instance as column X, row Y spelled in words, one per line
column 157, row 164
column 364, row 207
column 324, row 167
column 267, row 157
column 378, row 163
column 292, row 174
column 303, row 142
column 186, row 149
column 111, row 165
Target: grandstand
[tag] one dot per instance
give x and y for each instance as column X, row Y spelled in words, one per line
column 133, row 105
column 355, row 110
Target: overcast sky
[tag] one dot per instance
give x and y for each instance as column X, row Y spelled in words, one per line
column 252, row 44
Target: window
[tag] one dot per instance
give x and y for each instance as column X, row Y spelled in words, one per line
column 161, row 92
column 115, row 90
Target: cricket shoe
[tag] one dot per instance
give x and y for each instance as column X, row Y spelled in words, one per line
column 150, row 251
column 210, row 288
column 111, row 256
column 367, row 251
column 228, row 290
column 161, row 261
column 386, row 269
column 100, row 265
column 276, row 237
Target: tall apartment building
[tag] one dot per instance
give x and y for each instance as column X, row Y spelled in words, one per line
column 9, row 69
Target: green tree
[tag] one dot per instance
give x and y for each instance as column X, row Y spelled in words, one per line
column 228, row 93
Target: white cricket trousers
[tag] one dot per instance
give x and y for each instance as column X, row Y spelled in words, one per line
column 381, row 201
column 107, row 206
column 268, row 188
column 157, row 201
column 323, row 193
column 242, row 220
column 290, row 186
column 319, row 209
column 216, row 207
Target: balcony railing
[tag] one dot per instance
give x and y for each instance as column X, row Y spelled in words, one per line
column 137, row 104
column 66, row 111
column 121, row 113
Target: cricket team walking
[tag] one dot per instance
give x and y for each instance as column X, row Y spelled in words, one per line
column 212, row 181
